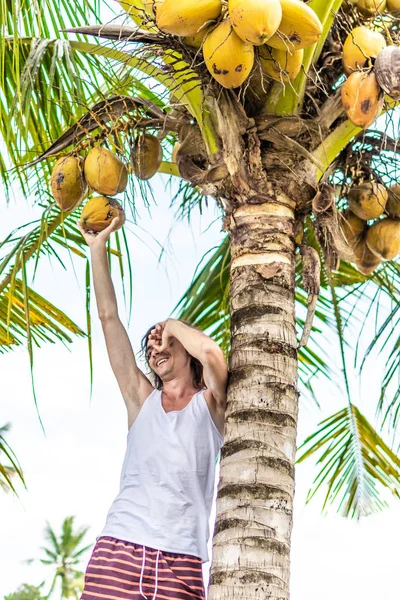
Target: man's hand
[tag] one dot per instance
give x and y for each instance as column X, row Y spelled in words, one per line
column 99, row 239
column 160, row 336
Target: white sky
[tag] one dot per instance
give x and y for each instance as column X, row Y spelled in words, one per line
column 75, row 469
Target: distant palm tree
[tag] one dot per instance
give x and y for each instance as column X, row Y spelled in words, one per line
column 26, row 591
column 8, row 471
column 63, row 554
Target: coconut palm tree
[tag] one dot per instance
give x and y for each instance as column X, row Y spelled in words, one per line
column 280, row 160
column 62, row 555
column 12, row 470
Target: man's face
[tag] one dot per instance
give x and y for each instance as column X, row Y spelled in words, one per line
column 170, row 362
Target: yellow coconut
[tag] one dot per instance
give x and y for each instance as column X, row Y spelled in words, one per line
column 68, row 184
column 146, row 156
column 352, row 227
column 141, row 12
column 360, row 45
column 104, row 172
column 98, row 213
column 368, row 201
column 187, row 17
column 370, row 8
column 362, row 98
column 393, row 5
column 281, row 65
column 383, row 239
column 393, row 203
column 300, row 27
column 255, row 21
column 366, row 262
column 196, row 40
column 228, row 58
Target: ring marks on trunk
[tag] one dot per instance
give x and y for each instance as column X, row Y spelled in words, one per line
column 256, row 491
column 236, row 446
column 251, row 313
column 265, row 345
column 253, row 576
column 253, row 379
column 268, row 544
column 262, row 415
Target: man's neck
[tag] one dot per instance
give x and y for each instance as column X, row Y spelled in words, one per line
column 179, row 388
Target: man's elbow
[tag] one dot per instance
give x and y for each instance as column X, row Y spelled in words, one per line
column 106, row 317
column 212, row 353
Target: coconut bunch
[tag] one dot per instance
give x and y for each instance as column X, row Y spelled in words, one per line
column 229, row 32
column 372, row 68
column 371, row 224
column 103, row 172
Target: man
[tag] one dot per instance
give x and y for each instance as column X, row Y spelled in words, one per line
column 155, row 537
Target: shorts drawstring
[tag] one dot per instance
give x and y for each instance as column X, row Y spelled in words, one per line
column 141, row 574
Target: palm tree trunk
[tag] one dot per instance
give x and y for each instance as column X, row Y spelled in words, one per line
column 251, row 545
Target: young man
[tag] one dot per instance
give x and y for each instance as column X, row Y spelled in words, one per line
column 155, row 537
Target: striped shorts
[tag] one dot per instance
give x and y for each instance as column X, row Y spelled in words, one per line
column 119, row 570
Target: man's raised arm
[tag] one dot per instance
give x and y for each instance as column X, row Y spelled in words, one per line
column 134, row 385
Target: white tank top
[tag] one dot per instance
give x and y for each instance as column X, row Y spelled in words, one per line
column 167, row 478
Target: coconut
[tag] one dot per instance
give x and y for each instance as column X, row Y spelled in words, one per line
column 104, row 172
column 281, row 65
column 383, row 239
column 370, row 8
column 141, row 12
column 68, row 184
column 255, row 21
column 362, row 98
column 187, row 17
column 393, row 203
column 387, row 70
column 196, row 40
column 360, row 45
column 228, row 58
column 366, row 262
column 393, row 5
column 352, row 227
column 368, row 201
column 98, row 213
column 299, row 28
column 146, row 156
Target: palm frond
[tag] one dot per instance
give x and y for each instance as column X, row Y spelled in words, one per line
column 8, row 472
column 356, row 464
column 46, row 322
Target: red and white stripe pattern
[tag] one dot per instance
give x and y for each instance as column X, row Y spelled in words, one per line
column 119, row 570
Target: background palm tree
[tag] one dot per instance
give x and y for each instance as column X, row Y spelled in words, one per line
column 26, row 591
column 62, row 555
column 9, row 465
column 270, row 155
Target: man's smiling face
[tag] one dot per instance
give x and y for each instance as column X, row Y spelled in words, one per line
column 168, row 363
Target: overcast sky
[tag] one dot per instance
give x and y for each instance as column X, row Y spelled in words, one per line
column 75, row 469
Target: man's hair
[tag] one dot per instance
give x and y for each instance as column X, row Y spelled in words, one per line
column 196, row 368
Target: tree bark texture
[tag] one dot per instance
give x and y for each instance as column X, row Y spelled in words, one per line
column 251, row 546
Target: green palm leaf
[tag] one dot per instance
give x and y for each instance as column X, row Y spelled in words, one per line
column 8, row 471
column 355, row 464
